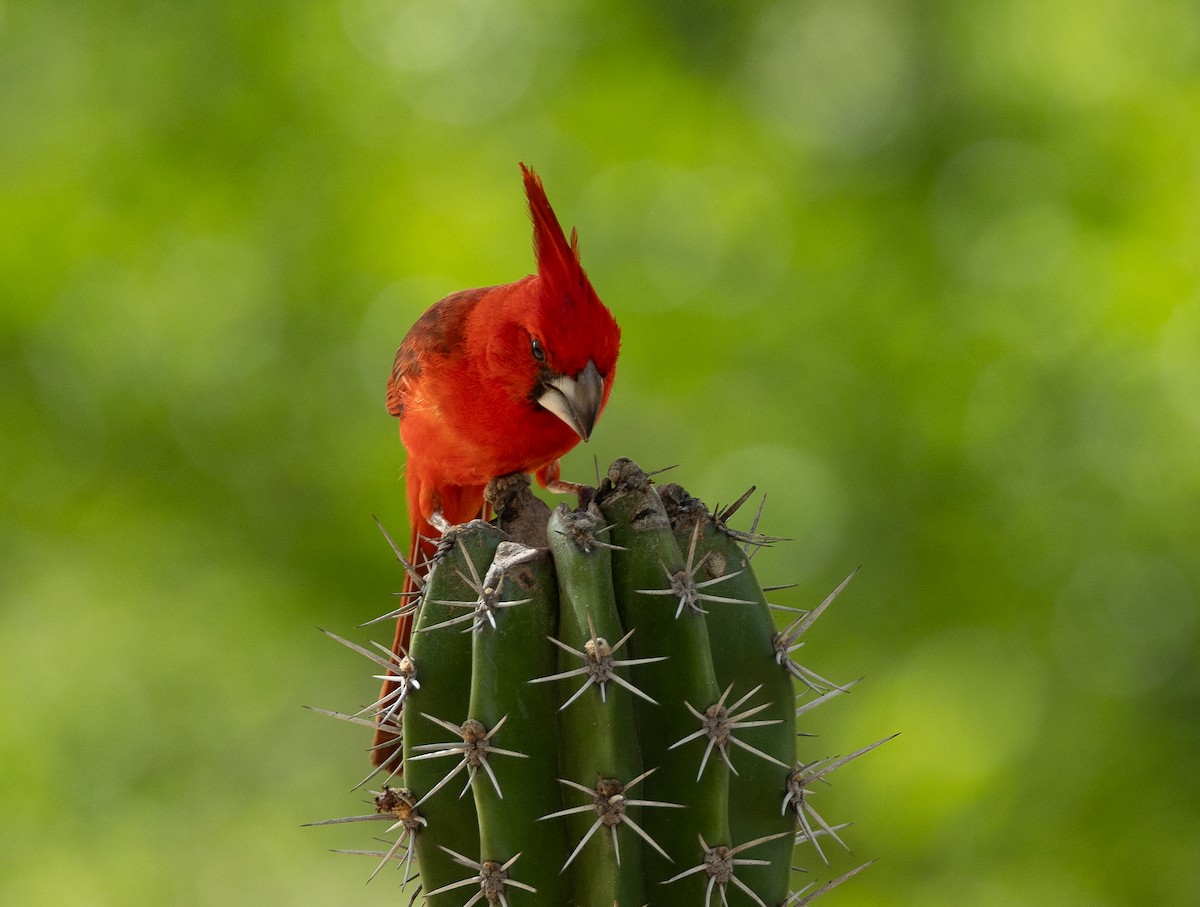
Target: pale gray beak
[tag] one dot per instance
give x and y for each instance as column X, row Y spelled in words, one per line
column 575, row 400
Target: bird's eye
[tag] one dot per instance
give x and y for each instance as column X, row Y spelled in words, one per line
column 536, row 348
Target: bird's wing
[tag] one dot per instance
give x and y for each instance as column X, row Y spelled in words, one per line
column 436, row 336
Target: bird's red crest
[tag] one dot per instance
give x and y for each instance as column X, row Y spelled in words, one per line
column 568, row 294
column 557, row 260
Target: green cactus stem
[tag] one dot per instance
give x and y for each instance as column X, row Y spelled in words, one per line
column 599, row 709
column 743, row 632
column 600, row 758
column 508, row 652
column 655, row 596
column 442, row 656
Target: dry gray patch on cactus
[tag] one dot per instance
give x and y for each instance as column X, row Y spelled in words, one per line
column 599, row 709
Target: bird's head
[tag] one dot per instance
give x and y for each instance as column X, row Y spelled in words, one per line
column 562, row 338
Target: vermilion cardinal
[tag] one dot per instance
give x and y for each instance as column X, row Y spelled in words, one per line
column 495, row 381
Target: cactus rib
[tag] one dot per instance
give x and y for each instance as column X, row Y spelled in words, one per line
column 601, row 752
column 443, row 662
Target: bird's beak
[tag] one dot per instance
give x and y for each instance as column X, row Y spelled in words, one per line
column 575, row 400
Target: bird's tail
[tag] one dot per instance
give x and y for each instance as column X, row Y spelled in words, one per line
column 385, row 751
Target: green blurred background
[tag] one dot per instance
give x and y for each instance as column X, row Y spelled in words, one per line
column 925, row 272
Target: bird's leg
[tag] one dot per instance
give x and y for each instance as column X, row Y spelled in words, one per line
column 439, row 522
column 549, row 478
column 561, row 486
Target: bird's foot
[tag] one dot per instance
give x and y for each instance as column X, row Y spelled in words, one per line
column 518, row 511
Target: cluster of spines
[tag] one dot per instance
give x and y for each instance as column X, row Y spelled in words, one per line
column 619, row 711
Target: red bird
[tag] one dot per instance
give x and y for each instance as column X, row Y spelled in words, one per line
column 495, row 381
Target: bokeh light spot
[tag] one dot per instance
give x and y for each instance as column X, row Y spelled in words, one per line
column 835, row 74
column 1179, row 359
column 1009, row 428
column 683, row 236
column 1125, row 624
column 456, row 62
column 999, row 218
column 707, row 236
column 804, row 503
column 970, row 702
column 412, row 36
column 385, row 323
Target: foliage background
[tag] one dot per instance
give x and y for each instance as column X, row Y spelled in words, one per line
column 926, row 272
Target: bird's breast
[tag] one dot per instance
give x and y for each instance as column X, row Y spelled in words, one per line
column 473, row 445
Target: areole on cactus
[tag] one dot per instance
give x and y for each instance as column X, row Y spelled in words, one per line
column 598, row 709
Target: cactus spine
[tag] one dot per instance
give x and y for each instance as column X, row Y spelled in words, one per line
column 605, row 714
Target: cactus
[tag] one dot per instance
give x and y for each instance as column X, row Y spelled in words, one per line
column 599, row 710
